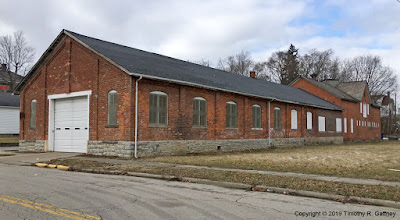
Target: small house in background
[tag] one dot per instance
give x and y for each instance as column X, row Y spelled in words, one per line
column 388, row 113
column 8, row 80
column 361, row 116
column 9, row 113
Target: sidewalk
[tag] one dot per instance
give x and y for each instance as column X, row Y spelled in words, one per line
column 27, row 159
column 275, row 173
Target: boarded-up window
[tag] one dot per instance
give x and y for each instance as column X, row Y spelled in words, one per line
column 365, row 110
column 309, row 120
column 321, row 123
column 32, row 123
column 361, row 107
column 277, row 119
column 351, row 126
column 330, row 124
column 256, row 116
column 294, row 119
column 345, row 125
column 158, row 108
column 338, row 125
column 112, row 108
column 199, row 112
column 231, row 115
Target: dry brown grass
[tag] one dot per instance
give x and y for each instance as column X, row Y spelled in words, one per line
column 376, row 192
column 9, row 139
column 363, row 160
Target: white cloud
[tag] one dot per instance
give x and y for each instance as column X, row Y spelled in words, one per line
column 194, row 29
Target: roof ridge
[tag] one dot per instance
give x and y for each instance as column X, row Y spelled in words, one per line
column 148, row 52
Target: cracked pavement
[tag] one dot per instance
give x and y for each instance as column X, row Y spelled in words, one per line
column 123, row 197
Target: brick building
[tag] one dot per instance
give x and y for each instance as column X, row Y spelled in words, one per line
column 92, row 96
column 361, row 116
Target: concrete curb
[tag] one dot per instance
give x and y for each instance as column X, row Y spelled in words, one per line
column 340, row 198
column 242, row 186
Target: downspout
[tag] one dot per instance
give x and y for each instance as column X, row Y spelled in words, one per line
column 269, row 123
column 136, row 113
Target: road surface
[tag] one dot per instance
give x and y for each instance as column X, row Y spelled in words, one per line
column 41, row 193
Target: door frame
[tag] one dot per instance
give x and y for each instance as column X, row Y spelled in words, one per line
column 51, row 124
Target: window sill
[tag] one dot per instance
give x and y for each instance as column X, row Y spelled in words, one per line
column 157, row 126
column 32, row 128
column 111, row 126
column 256, row 129
column 231, row 128
column 200, row 127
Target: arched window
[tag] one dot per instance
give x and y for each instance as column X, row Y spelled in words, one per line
column 231, row 115
column 294, row 119
column 158, row 108
column 256, row 116
column 277, row 119
column 32, row 123
column 112, row 108
column 199, row 112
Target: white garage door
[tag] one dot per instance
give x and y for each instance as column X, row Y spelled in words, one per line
column 71, row 124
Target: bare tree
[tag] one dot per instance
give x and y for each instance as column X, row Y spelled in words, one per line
column 319, row 63
column 240, row 63
column 261, row 70
column 15, row 52
column 380, row 79
column 276, row 66
column 203, row 62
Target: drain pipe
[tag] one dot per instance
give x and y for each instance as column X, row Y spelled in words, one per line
column 136, row 112
column 269, row 122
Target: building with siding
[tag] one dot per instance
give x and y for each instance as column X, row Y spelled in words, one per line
column 92, row 96
column 9, row 113
column 361, row 116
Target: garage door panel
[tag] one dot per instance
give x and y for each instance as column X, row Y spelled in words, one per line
column 71, row 124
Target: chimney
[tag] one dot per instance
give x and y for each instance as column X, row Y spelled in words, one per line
column 252, row 74
column 388, row 95
column 4, row 67
column 314, row 76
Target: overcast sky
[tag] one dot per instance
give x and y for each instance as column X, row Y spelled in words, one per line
column 205, row 29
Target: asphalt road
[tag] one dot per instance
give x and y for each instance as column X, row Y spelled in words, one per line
column 42, row 193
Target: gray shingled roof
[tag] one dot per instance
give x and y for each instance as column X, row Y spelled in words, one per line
column 333, row 90
column 355, row 89
column 8, row 99
column 162, row 67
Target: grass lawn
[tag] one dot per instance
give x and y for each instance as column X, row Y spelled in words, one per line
column 362, row 160
column 13, row 139
column 376, row 192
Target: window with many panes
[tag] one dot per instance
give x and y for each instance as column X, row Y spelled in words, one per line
column 199, row 112
column 112, row 108
column 277, row 119
column 231, row 115
column 256, row 116
column 158, row 108
column 32, row 123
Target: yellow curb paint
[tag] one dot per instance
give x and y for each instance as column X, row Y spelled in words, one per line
column 41, row 164
column 61, row 167
column 52, row 166
column 47, row 208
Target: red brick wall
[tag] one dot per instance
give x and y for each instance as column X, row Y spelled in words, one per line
column 73, row 68
column 351, row 110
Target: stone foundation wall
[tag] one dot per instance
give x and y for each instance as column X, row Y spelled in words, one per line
column 32, row 145
column 111, row 148
column 153, row 148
